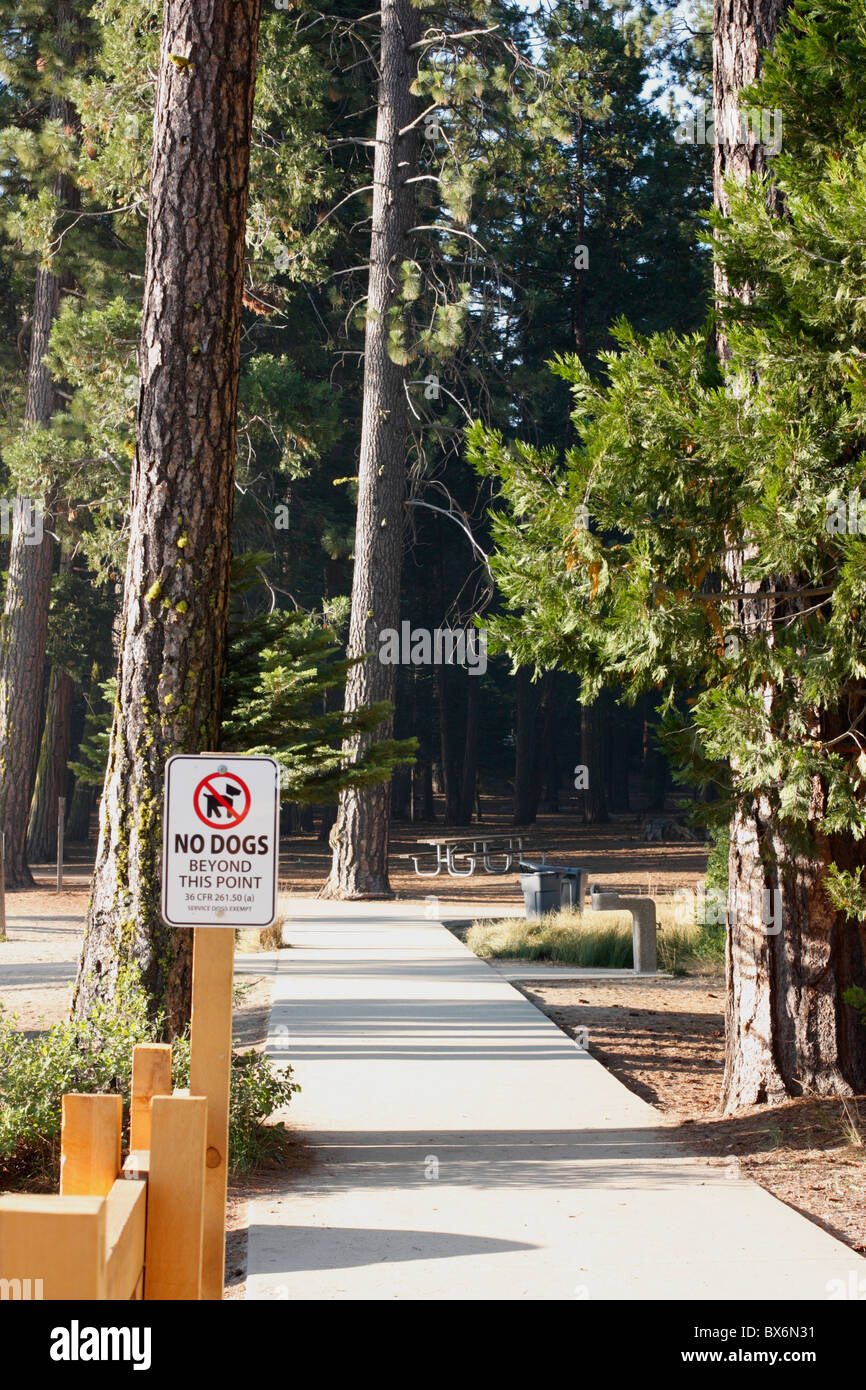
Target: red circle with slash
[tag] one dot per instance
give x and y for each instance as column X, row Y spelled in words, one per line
column 226, row 800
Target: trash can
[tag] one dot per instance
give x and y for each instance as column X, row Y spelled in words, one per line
column 572, row 888
column 571, row 882
column 542, row 891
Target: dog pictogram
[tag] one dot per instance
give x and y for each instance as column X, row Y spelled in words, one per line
column 221, row 799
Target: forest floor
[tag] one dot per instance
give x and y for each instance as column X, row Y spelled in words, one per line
column 664, row 1038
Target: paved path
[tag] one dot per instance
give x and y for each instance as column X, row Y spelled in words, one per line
column 463, row 1147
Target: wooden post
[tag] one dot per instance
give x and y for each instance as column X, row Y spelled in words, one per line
column 61, row 817
column 210, row 1075
column 90, row 1144
column 125, row 1210
column 175, row 1198
column 55, row 1243
column 151, row 1076
column 2, row 885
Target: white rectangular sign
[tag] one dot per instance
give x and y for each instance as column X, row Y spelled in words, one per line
column 220, row 845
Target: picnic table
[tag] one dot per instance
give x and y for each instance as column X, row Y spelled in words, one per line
column 473, row 850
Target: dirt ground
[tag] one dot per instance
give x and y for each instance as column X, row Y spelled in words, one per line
column 616, row 853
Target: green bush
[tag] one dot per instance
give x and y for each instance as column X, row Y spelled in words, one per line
column 708, row 944
column 95, row 1055
column 718, row 857
column 257, row 1092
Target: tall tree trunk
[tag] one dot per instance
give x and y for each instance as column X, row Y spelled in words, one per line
column 552, row 761
column 470, row 752
column 592, row 745
column 51, row 773
column 78, row 819
column 24, row 624
column 444, row 679
column 176, row 595
column 542, row 733
column 618, row 756
column 790, row 953
column 51, row 770
column 360, row 864
column 524, row 747
column 654, row 765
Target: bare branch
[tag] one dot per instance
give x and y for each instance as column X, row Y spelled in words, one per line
column 443, row 37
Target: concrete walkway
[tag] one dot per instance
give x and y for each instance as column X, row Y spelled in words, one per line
column 464, row 1148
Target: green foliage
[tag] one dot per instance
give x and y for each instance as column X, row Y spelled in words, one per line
column 283, row 696
column 89, row 767
column 717, row 860
column 847, row 891
column 281, row 667
column 707, row 947
column 613, row 563
column 95, row 1055
column 257, row 1092
column 76, row 1056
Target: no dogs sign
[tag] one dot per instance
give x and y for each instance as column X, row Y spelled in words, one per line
column 220, row 846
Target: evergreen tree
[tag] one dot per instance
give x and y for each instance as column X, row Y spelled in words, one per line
column 616, row 566
column 176, row 594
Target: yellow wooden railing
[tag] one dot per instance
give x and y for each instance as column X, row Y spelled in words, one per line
column 155, row 1227
column 111, row 1232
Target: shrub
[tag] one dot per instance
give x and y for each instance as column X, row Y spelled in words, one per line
column 574, row 939
column 95, row 1055
column 718, row 857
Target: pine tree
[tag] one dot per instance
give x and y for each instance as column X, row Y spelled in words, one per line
column 176, row 597
column 281, row 668
column 24, row 622
column 616, row 565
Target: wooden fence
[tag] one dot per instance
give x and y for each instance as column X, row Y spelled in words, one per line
column 153, row 1228
column 116, row 1232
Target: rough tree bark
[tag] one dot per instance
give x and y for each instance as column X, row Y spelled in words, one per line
column 360, row 863
column 52, row 769
column 176, row 594
column 790, row 953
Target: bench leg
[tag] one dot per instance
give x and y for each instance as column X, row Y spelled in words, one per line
column 426, row 873
column 489, row 868
column 452, row 867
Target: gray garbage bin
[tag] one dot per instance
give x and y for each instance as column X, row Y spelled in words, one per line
column 542, row 891
column 572, row 881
